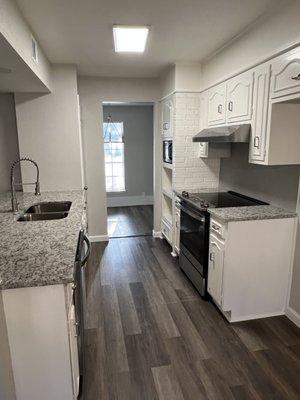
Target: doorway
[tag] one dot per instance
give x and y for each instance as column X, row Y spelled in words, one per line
column 128, row 151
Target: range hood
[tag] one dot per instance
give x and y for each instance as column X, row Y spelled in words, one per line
column 224, row 134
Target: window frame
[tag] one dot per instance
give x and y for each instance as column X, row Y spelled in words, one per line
column 111, row 142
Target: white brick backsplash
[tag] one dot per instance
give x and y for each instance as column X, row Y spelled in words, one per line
column 190, row 171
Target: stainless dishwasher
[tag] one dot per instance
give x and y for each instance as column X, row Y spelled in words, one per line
column 79, row 296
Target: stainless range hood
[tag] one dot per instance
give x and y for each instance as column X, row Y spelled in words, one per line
column 224, row 134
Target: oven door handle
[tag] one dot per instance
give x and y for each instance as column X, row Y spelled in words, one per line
column 192, row 214
column 87, row 254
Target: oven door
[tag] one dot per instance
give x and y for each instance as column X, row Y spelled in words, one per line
column 194, row 236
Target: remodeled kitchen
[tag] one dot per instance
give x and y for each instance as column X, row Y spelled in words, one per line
column 149, row 200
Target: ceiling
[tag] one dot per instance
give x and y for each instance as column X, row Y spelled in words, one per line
column 80, row 31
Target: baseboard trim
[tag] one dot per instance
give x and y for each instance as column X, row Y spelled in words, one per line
column 99, row 238
column 123, row 201
column 157, row 234
column 293, row 316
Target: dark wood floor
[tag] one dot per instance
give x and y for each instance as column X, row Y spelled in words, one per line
column 129, row 221
column 150, row 336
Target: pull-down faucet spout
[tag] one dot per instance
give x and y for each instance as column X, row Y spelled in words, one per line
column 14, row 201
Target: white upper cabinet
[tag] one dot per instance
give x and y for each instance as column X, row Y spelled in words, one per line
column 167, row 117
column 203, row 146
column 286, row 74
column 257, row 141
column 239, row 98
column 216, row 105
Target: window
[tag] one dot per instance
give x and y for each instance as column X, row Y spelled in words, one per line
column 114, row 156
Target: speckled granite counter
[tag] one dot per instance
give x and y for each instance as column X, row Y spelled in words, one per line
column 38, row 253
column 230, row 214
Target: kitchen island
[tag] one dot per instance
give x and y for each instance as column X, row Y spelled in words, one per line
column 38, row 345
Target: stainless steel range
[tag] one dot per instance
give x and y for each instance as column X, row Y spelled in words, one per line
column 194, row 230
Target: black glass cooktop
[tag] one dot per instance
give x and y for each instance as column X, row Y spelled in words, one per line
column 221, row 199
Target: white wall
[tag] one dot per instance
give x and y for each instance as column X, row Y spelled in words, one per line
column 18, row 33
column 9, row 149
column 92, row 92
column 138, row 152
column 48, row 130
column 181, row 77
column 268, row 36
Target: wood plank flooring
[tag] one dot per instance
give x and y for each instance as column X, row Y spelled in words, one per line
column 149, row 335
column 130, row 221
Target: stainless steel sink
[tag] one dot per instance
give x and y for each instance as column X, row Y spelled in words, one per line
column 41, row 217
column 49, row 207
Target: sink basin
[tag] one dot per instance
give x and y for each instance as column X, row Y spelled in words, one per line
column 49, row 207
column 41, row 217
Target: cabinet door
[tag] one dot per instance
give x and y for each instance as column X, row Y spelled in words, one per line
column 177, row 230
column 216, row 105
column 215, row 269
column 203, row 149
column 286, row 74
column 239, row 98
column 167, row 111
column 74, row 351
column 203, row 146
column 260, row 113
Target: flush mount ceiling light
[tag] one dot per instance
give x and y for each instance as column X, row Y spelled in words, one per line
column 130, row 39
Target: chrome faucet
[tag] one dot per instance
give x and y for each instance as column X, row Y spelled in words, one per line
column 14, row 202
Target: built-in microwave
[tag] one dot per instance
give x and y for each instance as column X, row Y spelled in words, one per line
column 167, row 151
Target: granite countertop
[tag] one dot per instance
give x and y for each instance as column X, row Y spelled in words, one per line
column 230, row 214
column 38, row 253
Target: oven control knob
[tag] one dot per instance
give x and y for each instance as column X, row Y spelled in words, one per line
column 185, row 194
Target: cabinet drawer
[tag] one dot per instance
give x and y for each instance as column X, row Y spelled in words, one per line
column 285, row 79
column 166, row 230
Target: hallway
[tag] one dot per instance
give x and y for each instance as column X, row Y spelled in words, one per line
column 150, row 336
column 129, row 221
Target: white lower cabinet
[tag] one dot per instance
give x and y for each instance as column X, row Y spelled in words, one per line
column 40, row 323
column 250, row 264
column 166, row 230
column 177, row 229
column 216, row 263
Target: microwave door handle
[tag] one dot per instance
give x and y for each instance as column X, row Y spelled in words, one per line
column 87, row 254
column 192, row 214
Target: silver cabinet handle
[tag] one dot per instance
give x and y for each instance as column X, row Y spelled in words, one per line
column 215, row 227
column 230, row 106
column 256, row 142
column 220, row 108
column 296, row 77
column 212, row 256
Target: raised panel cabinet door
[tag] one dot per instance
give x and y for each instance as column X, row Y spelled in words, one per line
column 203, row 149
column 167, row 108
column 215, row 269
column 285, row 77
column 257, row 145
column 216, row 105
column 177, row 230
column 239, row 98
